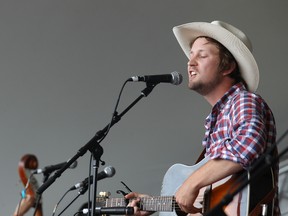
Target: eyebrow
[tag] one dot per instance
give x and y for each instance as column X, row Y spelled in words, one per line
column 201, row 50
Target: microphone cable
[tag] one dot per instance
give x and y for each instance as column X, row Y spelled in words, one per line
column 57, row 204
column 114, row 114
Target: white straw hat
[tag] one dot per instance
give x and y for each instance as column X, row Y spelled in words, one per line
column 230, row 37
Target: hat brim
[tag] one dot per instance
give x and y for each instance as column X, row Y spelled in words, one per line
column 187, row 33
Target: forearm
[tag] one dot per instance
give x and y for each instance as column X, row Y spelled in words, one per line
column 213, row 171
column 209, row 173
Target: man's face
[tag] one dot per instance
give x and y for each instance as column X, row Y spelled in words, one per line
column 203, row 67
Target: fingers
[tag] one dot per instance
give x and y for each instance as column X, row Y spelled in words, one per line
column 191, row 210
column 132, row 195
column 134, row 200
column 187, row 206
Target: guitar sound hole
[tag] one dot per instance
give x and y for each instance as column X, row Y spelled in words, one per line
column 178, row 211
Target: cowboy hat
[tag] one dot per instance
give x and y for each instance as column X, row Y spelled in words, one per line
column 230, row 37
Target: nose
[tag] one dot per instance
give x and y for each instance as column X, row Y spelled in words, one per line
column 191, row 61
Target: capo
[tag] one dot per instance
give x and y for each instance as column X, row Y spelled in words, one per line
column 121, row 192
column 126, row 186
column 124, row 193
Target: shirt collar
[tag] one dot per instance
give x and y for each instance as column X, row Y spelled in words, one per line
column 235, row 89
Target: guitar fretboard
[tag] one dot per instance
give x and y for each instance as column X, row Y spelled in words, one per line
column 155, row 203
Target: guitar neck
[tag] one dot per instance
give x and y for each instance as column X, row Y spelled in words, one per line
column 155, row 203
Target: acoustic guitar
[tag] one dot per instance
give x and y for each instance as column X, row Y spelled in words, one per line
column 207, row 199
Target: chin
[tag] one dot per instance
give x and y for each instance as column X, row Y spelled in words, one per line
column 193, row 86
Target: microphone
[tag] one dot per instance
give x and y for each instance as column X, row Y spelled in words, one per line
column 174, row 78
column 108, row 172
column 111, row 211
column 51, row 168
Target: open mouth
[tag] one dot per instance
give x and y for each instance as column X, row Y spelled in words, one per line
column 193, row 73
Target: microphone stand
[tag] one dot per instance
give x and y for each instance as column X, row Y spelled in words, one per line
column 94, row 147
column 268, row 161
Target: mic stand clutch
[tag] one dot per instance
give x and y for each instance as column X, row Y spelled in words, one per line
column 94, row 147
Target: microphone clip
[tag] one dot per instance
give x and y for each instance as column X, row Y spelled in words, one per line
column 149, row 87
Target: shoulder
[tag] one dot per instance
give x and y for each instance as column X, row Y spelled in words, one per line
column 247, row 105
column 247, row 99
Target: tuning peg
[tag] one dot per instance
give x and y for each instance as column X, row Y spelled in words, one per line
column 104, row 194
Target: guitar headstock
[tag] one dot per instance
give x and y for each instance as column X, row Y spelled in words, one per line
column 104, row 194
column 102, row 198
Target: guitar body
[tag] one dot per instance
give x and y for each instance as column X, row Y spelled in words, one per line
column 178, row 173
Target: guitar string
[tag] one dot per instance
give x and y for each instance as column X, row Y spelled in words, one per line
column 163, row 203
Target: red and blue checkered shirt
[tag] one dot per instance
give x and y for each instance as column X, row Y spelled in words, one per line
column 239, row 128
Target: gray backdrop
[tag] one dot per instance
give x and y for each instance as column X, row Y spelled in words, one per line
column 63, row 64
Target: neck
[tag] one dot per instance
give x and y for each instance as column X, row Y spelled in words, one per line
column 214, row 95
column 155, row 203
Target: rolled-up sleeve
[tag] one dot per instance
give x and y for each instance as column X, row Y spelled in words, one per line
column 240, row 133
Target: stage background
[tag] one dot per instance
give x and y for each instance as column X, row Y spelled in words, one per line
column 62, row 64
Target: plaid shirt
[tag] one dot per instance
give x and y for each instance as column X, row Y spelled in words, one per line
column 240, row 128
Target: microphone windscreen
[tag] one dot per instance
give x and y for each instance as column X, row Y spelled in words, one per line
column 177, row 78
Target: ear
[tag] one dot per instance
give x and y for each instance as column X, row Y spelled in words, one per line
column 230, row 69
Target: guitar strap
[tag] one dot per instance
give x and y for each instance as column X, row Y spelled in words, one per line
column 269, row 196
column 207, row 192
column 268, row 199
column 201, row 156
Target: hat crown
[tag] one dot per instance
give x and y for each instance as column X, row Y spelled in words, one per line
column 236, row 32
